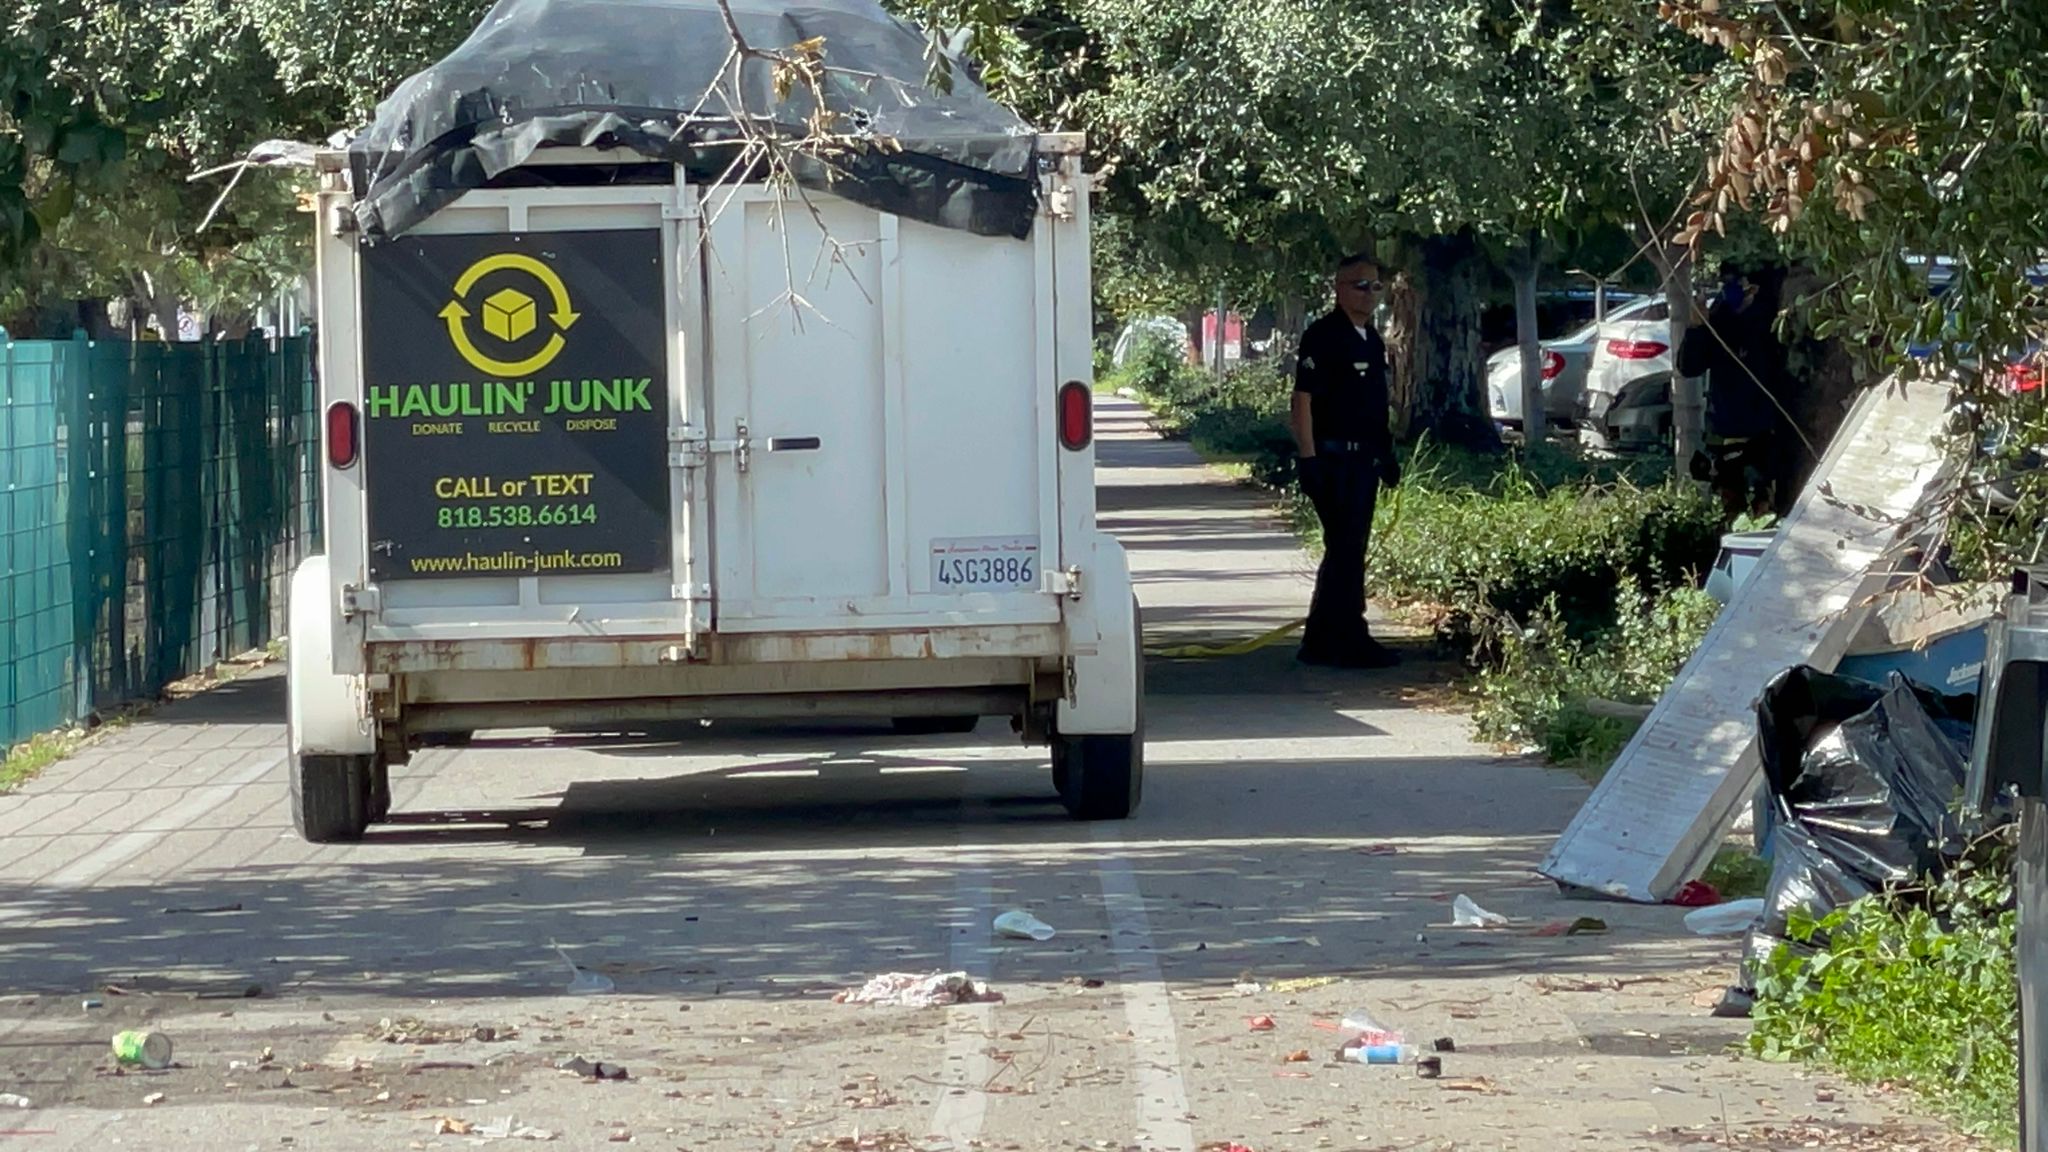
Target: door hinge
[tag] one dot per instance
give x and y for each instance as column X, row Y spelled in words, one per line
column 364, row 601
column 1064, row 582
column 691, row 447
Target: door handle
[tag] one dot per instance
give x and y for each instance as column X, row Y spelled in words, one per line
column 794, row 444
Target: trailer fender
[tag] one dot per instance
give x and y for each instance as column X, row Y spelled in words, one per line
column 1103, row 624
column 324, row 716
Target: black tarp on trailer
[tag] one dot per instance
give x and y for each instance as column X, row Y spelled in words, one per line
column 655, row 77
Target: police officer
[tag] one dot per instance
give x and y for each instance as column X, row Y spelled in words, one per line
column 1339, row 417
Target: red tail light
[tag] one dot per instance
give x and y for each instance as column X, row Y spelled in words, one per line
column 1552, row 364
column 1636, row 349
column 2023, row 377
column 1077, row 416
column 342, row 448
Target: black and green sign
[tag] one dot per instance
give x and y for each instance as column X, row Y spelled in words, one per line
column 515, row 405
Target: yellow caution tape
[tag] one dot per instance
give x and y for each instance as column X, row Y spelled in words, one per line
column 1205, row 651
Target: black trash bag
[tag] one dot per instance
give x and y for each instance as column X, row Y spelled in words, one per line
column 1863, row 782
column 1806, row 880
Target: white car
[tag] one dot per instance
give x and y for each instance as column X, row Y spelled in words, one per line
column 1565, row 361
column 1626, row 402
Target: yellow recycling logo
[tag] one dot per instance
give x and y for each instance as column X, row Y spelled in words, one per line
column 509, row 315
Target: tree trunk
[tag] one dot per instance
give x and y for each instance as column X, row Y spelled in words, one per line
column 1439, row 375
column 1534, row 418
column 1688, row 402
column 1290, row 318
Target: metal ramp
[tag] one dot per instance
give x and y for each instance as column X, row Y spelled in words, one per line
column 1655, row 818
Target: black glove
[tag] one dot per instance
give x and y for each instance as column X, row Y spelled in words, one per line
column 1390, row 471
column 1310, row 471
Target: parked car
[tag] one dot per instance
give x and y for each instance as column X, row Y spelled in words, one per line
column 1626, row 402
column 1565, row 360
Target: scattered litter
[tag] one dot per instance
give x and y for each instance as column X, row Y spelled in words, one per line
column 1247, row 987
column 148, row 1049
column 10, row 1100
column 412, row 1031
column 1583, row 926
column 583, row 982
column 592, row 1069
column 153, row 1099
column 1085, row 981
column 1021, row 925
column 1298, row 1056
column 511, row 1129
column 202, row 911
column 1695, row 894
column 1730, row 919
column 89, row 1005
column 909, row 990
column 1708, row 997
column 1429, row 1067
column 450, row 1126
column 1366, row 1030
column 1303, row 983
column 1261, row 1024
column 1466, row 914
column 621, row 1137
column 1359, row 1052
column 1445, row 1044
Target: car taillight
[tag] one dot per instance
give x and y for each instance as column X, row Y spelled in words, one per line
column 341, row 434
column 2023, row 377
column 1552, row 364
column 1077, row 416
column 1636, row 349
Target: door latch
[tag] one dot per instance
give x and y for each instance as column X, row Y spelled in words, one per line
column 696, row 449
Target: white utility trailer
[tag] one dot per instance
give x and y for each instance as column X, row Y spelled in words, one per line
column 605, row 444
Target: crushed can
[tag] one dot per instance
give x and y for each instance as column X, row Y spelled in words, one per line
column 147, row 1049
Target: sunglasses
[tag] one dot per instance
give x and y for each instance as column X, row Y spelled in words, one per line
column 1367, row 285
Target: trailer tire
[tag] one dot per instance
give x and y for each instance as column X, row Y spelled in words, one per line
column 378, row 805
column 935, row 725
column 1103, row 777
column 330, row 797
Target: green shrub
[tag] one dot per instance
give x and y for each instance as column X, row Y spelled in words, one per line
column 1519, row 547
column 1534, row 689
column 1915, row 987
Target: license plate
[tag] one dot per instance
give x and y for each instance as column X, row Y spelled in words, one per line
column 985, row 564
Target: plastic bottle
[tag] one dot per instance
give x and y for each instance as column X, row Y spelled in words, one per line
column 1379, row 1053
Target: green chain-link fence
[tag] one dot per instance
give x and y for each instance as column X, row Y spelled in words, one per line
column 153, row 500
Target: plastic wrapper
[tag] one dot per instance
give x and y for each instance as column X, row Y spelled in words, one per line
column 653, row 77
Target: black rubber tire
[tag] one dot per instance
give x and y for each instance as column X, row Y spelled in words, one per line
column 1103, row 777
column 446, row 739
column 330, row 797
column 378, row 805
column 935, row 725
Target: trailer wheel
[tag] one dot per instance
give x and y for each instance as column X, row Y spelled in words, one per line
column 378, row 804
column 330, row 797
column 1103, row 777
column 934, row 725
